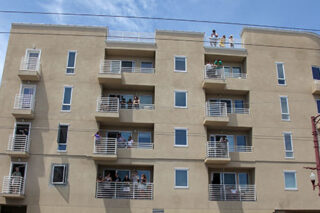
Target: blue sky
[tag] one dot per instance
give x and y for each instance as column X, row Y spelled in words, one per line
column 291, row 13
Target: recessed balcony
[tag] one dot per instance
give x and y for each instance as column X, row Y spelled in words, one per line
column 13, row 187
column 217, row 152
column 232, row 192
column 18, row 146
column 23, row 106
column 107, row 109
column 216, row 114
column 30, row 69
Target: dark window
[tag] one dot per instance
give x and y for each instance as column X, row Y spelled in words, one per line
column 318, row 105
column 71, row 61
column 180, row 64
column 59, row 174
column 316, row 73
column 62, row 137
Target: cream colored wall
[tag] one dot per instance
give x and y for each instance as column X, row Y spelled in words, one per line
column 267, row 161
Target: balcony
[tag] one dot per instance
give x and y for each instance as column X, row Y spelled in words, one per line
column 228, row 192
column 115, row 75
column 217, row 152
column 316, row 87
column 219, row 79
column 18, row 146
column 23, row 106
column 107, row 109
column 122, row 190
column 30, row 69
column 105, row 149
column 13, row 187
column 136, row 37
column 217, row 113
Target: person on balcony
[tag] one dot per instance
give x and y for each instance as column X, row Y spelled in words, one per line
column 231, row 43
column 210, row 70
column 129, row 104
column 117, row 178
column 213, row 38
column 218, row 66
column 15, row 181
column 222, row 41
column 126, row 187
column 136, row 102
column 123, row 103
column 121, row 141
column 130, row 142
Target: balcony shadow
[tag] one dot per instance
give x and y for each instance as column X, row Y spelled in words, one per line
column 230, row 206
column 113, row 205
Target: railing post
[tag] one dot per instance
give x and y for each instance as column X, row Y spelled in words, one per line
column 224, row 192
column 115, row 189
column 133, row 190
column 240, row 192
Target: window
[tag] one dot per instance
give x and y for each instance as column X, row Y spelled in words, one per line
column 180, row 64
column 180, row 137
column 144, row 137
column 71, row 63
column 284, row 108
column 180, row 99
column 318, row 105
column 181, row 178
column 146, row 67
column 290, row 182
column 239, row 106
column 62, row 137
column 59, row 174
column 243, row 178
column 316, row 73
column 67, row 96
column 236, row 72
column 288, row 144
column 127, row 66
column 281, row 75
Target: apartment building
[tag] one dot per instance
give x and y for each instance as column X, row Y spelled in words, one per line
column 84, row 109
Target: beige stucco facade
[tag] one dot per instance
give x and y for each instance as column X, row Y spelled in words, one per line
column 262, row 125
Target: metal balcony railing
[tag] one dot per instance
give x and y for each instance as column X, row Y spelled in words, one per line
column 30, row 64
column 226, row 192
column 23, row 101
column 136, row 106
column 122, row 190
column 135, row 144
column 242, row 149
column 216, row 149
column 105, row 146
column 13, row 185
column 212, row 42
column 114, row 67
column 18, row 143
column 211, row 72
column 108, row 104
column 131, row 36
column 217, row 109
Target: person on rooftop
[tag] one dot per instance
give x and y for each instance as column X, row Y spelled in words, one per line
column 231, row 43
column 213, row 38
column 222, row 41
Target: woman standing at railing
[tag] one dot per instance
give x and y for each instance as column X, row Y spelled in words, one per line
column 130, row 142
column 222, row 41
column 136, row 102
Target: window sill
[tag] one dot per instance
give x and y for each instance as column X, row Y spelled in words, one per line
column 181, row 146
column 62, row 151
column 181, row 187
column 181, row 107
column 180, row 70
column 65, row 110
column 293, row 189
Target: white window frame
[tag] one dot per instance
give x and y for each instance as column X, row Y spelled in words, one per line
column 181, row 128
column 295, row 177
column 284, row 74
column 180, row 56
column 64, row 87
column 32, row 50
column 284, row 96
column 64, row 174
column 284, row 143
column 75, row 62
column 63, row 124
column 175, row 173
column 181, row 107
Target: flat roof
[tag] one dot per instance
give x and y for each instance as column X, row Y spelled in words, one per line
column 61, row 26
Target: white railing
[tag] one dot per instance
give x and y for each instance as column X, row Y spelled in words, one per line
column 108, row 104
column 114, row 67
column 217, row 149
column 23, row 101
column 226, row 192
column 30, row 64
column 135, row 144
column 242, row 149
column 18, row 143
column 212, row 72
column 123, row 190
column 13, row 185
column 243, row 110
column 215, row 42
column 105, row 146
column 131, row 36
column 136, row 106
column 218, row 109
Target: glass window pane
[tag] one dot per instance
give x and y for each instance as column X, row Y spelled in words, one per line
column 288, row 144
column 289, row 154
column 229, row 178
column 241, row 140
column 236, row 72
column 146, row 65
column 284, row 105
column 123, row 173
column 230, row 139
column 146, row 99
column 127, row 64
column 144, row 137
column 281, row 81
column 58, row 174
column 66, row 107
column 229, row 105
column 180, row 137
column 180, row 99
column 182, row 178
column 125, row 135
column 67, row 95
column 318, row 105
column 70, row 70
column 290, row 180
column 71, row 59
column 62, row 147
column 316, row 73
column 63, row 133
column 280, row 71
column 243, row 179
column 180, row 63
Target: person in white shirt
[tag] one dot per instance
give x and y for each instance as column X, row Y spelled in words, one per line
column 130, row 142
